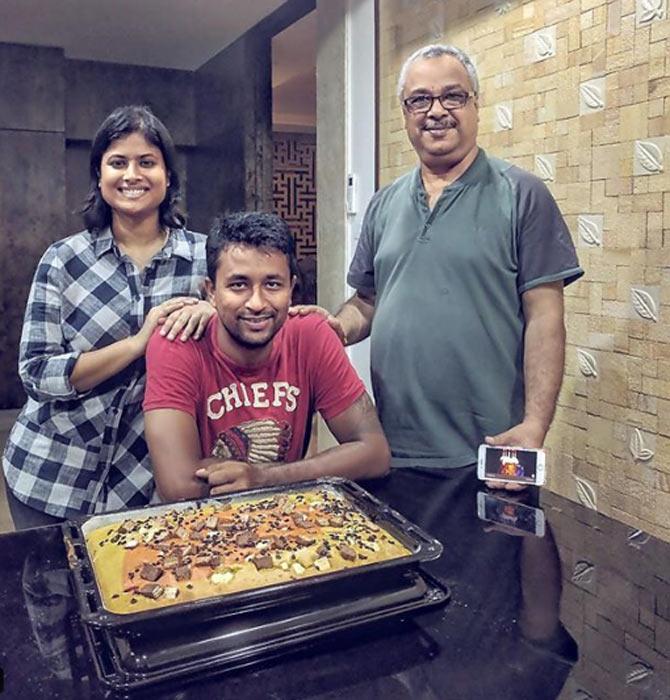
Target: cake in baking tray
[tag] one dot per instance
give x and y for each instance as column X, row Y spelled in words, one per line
column 221, row 547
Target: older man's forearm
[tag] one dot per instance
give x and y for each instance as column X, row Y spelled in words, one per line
column 356, row 315
column 544, row 360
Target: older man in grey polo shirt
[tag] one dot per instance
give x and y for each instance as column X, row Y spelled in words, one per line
column 459, row 276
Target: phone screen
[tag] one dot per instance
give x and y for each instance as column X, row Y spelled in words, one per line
column 513, row 464
column 510, row 513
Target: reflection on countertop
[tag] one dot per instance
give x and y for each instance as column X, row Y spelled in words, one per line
column 616, row 603
column 581, row 612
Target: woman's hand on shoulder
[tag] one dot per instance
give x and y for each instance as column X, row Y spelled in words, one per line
column 190, row 320
column 156, row 316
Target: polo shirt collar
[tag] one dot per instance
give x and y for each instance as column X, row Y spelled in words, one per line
column 472, row 175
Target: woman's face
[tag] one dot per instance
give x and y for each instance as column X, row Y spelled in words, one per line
column 133, row 177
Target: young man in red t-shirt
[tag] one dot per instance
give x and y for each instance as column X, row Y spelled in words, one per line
column 233, row 410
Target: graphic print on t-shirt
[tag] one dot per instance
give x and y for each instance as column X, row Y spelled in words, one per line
column 256, row 441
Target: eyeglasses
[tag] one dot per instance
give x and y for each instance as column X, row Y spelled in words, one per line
column 420, row 104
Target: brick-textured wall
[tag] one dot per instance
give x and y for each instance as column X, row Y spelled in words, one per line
column 615, row 602
column 578, row 91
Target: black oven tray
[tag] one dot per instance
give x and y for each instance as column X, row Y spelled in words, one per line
column 422, row 548
column 228, row 644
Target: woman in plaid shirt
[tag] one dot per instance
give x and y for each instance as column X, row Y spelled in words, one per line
column 78, row 444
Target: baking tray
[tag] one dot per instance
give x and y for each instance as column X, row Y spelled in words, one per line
column 422, row 548
column 129, row 664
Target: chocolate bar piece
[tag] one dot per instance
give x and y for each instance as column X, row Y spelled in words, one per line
column 151, row 590
column 150, row 572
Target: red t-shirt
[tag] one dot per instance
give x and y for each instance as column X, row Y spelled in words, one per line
column 260, row 414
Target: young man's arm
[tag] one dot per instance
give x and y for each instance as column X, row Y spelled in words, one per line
column 174, row 445
column 363, row 453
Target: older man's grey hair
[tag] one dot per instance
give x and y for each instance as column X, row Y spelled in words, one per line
column 434, row 51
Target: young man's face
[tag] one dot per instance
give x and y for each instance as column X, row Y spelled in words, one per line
column 251, row 295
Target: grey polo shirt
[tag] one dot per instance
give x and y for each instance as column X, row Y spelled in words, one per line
column 447, row 335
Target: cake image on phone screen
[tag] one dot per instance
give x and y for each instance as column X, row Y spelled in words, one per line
column 517, row 464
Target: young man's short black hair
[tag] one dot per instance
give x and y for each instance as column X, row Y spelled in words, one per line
column 256, row 229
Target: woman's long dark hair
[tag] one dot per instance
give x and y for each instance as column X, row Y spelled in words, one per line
column 122, row 122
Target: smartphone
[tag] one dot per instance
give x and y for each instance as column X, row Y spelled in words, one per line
column 516, row 464
column 510, row 513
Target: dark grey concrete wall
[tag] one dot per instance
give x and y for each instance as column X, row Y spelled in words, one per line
column 94, row 89
column 232, row 166
column 32, row 186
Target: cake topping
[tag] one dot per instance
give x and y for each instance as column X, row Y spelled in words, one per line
column 182, row 573
column 304, row 541
column 245, row 539
column 263, row 561
column 149, row 572
column 151, row 590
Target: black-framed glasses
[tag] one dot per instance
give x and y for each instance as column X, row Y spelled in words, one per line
column 422, row 103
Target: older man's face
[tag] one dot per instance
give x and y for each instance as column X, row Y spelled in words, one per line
column 441, row 137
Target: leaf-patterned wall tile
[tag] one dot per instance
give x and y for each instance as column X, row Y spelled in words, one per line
column 648, row 156
column 587, row 363
column 639, row 446
column 648, row 11
column 644, row 303
column 545, row 167
column 502, row 7
column 503, row 117
column 590, row 230
column 583, row 573
column 586, row 493
column 638, row 538
column 581, row 694
column 592, row 96
column 540, row 45
column 639, row 673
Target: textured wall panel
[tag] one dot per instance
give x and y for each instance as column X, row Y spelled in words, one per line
column 32, row 88
column 32, row 206
column 94, row 89
column 294, row 187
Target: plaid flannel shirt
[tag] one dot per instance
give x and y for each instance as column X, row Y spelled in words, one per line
column 84, row 452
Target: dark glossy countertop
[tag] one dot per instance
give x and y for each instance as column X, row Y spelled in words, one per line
column 582, row 612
